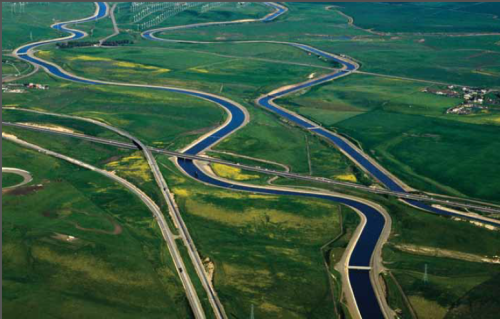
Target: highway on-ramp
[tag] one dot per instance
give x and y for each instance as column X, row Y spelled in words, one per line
column 361, row 262
column 153, row 207
column 286, row 174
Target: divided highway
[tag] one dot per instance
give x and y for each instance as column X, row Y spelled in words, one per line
column 362, row 260
column 157, row 213
column 204, row 158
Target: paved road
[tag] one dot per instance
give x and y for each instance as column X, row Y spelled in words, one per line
column 157, row 213
column 25, row 52
column 366, row 246
column 350, row 150
column 24, row 174
column 17, row 78
column 176, row 217
column 116, row 31
column 285, row 174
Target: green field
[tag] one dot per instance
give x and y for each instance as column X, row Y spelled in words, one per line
column 18, row 27
column 483, row 297
column 14, row 67
column 11, row 179
column 430, row 57
column 115, row 265
column 449, row 281
column 157, row 118
column 422, row 17
column 73, row 125
column 266, row 249
column 275, row 253
column 126, row 163
column 238, row 79
column 408, row 132
column 227, row 12
column 196, row 70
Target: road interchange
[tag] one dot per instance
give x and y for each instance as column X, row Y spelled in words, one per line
column 153, row 207
column 204, row 158
column 365, row 247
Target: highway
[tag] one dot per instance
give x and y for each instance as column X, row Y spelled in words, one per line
column 363, row 256
column 173, row 209
column 395, row 186
column 198, row 311
column 157, row 213
column 204, row 158
column 116, row 31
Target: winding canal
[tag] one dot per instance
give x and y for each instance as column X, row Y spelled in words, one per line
column 360, row 260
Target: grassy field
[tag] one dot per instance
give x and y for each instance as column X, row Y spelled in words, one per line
column 18, row 27
column 158, row 118
column 14, row 67
column 114, row 265
column 241, row 80
column 65, row 124
column 482, row 298
column 226, row 12
column 10, row 179
column 455, row 268
column 431, row 57
column 266, row 249
column 287, row 27
column 458, row 156
column 408, row 132
column 437, row 58
column 449, row 281
column 128, row 164
column 195, row 70
column 402, row 17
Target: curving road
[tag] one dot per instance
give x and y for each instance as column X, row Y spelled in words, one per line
column 361, row 254
column 157, row 213
column 275, row 173
column 24, row 174
column 349, row 149
column 361, row 262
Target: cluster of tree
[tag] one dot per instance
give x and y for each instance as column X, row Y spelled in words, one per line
column 73, row 44
column 76, row 44
column 117, row 43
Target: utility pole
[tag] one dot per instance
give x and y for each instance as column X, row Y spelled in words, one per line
column 251, row 313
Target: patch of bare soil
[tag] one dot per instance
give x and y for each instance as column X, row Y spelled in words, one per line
column 111, row 159
column 202, row 130
column 117, row 230
column 51, row 215
column 63, row 237
column 50, row 127
column 437, row 252
column 25, row 190
column 209, row 268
